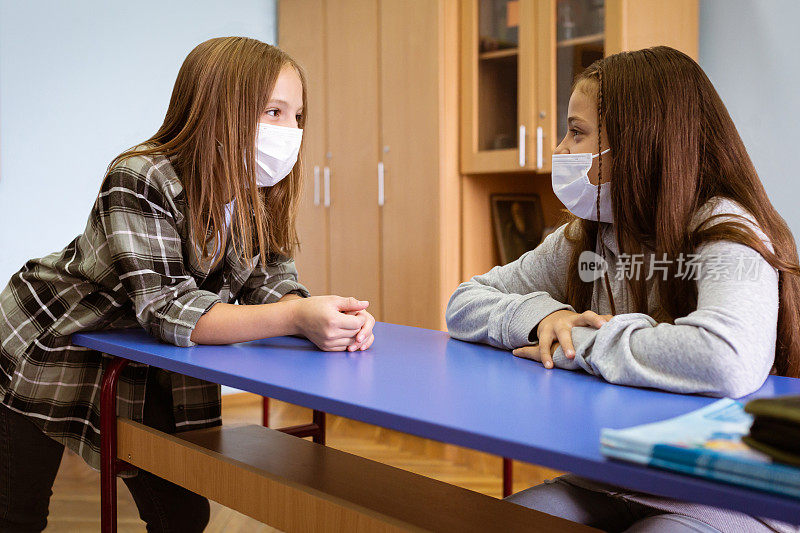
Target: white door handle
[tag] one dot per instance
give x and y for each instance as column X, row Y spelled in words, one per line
column 326, row 177
column 522, row 146
column 539, row 146
column 380, row 184
column 316, row 185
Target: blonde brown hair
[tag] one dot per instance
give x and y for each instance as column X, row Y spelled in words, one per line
column 209, row 134
column 674, row 148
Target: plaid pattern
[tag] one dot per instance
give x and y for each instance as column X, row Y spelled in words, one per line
column 132, row 267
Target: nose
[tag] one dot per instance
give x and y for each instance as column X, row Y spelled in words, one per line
column 290, row 123
column 561, row 148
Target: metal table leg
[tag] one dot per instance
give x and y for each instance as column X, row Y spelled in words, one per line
column 315, row 430
column 110, row 466
column 508, row 476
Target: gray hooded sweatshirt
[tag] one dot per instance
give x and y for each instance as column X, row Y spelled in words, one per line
column 725, row 348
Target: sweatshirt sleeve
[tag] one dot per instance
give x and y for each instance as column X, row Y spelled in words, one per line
column 503, row 306
column 726, row 347
column 146, row 253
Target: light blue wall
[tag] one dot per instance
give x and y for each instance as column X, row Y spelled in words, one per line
column 749, row 49
column 80, row 81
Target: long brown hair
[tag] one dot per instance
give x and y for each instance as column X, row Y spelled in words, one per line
column 674, row 147
column 209, row 134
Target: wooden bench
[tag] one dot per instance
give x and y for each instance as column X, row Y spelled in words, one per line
column 295, row 485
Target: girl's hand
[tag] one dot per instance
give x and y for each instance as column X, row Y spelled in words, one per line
column 331, row 322
column 364, row 338
column 558, row 327
column 532, row 352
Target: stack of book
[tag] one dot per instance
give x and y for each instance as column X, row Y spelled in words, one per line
column 705, row 443
column 776, row 428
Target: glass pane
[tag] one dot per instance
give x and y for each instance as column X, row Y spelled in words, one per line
column 580, row 26
column 498, row 25
column 498, row 40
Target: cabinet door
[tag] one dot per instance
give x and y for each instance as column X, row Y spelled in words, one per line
column 499, row 86
column 571, row 35
column 636, row 25
column 353, row 140
column 301, row 33
column 410, row 121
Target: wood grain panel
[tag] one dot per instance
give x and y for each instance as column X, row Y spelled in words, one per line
column 546, row 79
column 480, row 245
column 410, row 99
column 301, row 33
column 75, row 504
column 353, row 141
column 636, row 24
column 296, row 485
column 529, row 84
column 449, row 223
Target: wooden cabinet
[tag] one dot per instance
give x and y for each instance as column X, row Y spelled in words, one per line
column 380, row 215
column 518, row 61
column 519, row 58
column 403, row 151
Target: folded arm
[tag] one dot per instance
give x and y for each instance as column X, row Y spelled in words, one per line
column 146, row 251
column 267, row 295
column 724, row 348
column 502, row 307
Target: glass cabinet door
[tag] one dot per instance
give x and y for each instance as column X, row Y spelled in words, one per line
column 495, row 98
column 498, row 66
column 580, row 41
column 519, row 58
column 570, row 36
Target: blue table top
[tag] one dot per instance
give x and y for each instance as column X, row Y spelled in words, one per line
column 423, row 382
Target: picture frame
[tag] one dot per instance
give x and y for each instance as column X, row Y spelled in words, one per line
column 518, row 224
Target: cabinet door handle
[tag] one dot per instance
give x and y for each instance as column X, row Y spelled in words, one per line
column 316, row 185
column 539, row 146
column 380, row 184
column 522, row 146
column 326, row 178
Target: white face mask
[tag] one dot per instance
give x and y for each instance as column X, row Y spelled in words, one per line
column 276, row 152
column 572, row 186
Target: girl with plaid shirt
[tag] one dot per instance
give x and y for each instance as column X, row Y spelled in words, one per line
column 187, row 224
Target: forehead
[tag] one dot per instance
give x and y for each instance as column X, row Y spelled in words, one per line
column 582, row 105
column 288, row 87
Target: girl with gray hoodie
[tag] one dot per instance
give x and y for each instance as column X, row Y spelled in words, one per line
column 674, row 270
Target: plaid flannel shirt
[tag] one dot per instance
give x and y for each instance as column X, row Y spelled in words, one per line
column 133, row 266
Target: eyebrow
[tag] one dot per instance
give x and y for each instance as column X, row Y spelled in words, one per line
column 572, row 120
column 283, row 102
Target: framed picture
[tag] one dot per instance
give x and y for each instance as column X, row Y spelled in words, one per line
column 518, row 224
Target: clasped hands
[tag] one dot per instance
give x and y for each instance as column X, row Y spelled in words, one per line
column 334, row 323
column 556, row 329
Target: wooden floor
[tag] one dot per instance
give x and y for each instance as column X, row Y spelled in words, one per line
column 75, row 504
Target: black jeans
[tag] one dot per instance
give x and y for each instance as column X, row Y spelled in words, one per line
column 29, row 461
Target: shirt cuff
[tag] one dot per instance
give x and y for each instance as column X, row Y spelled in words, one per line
column 300, row 292
column 285, row 287
column 582, row 338
column 178, row 323
column 528, row 315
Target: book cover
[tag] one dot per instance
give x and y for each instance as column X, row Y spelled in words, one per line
column 705, row 443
